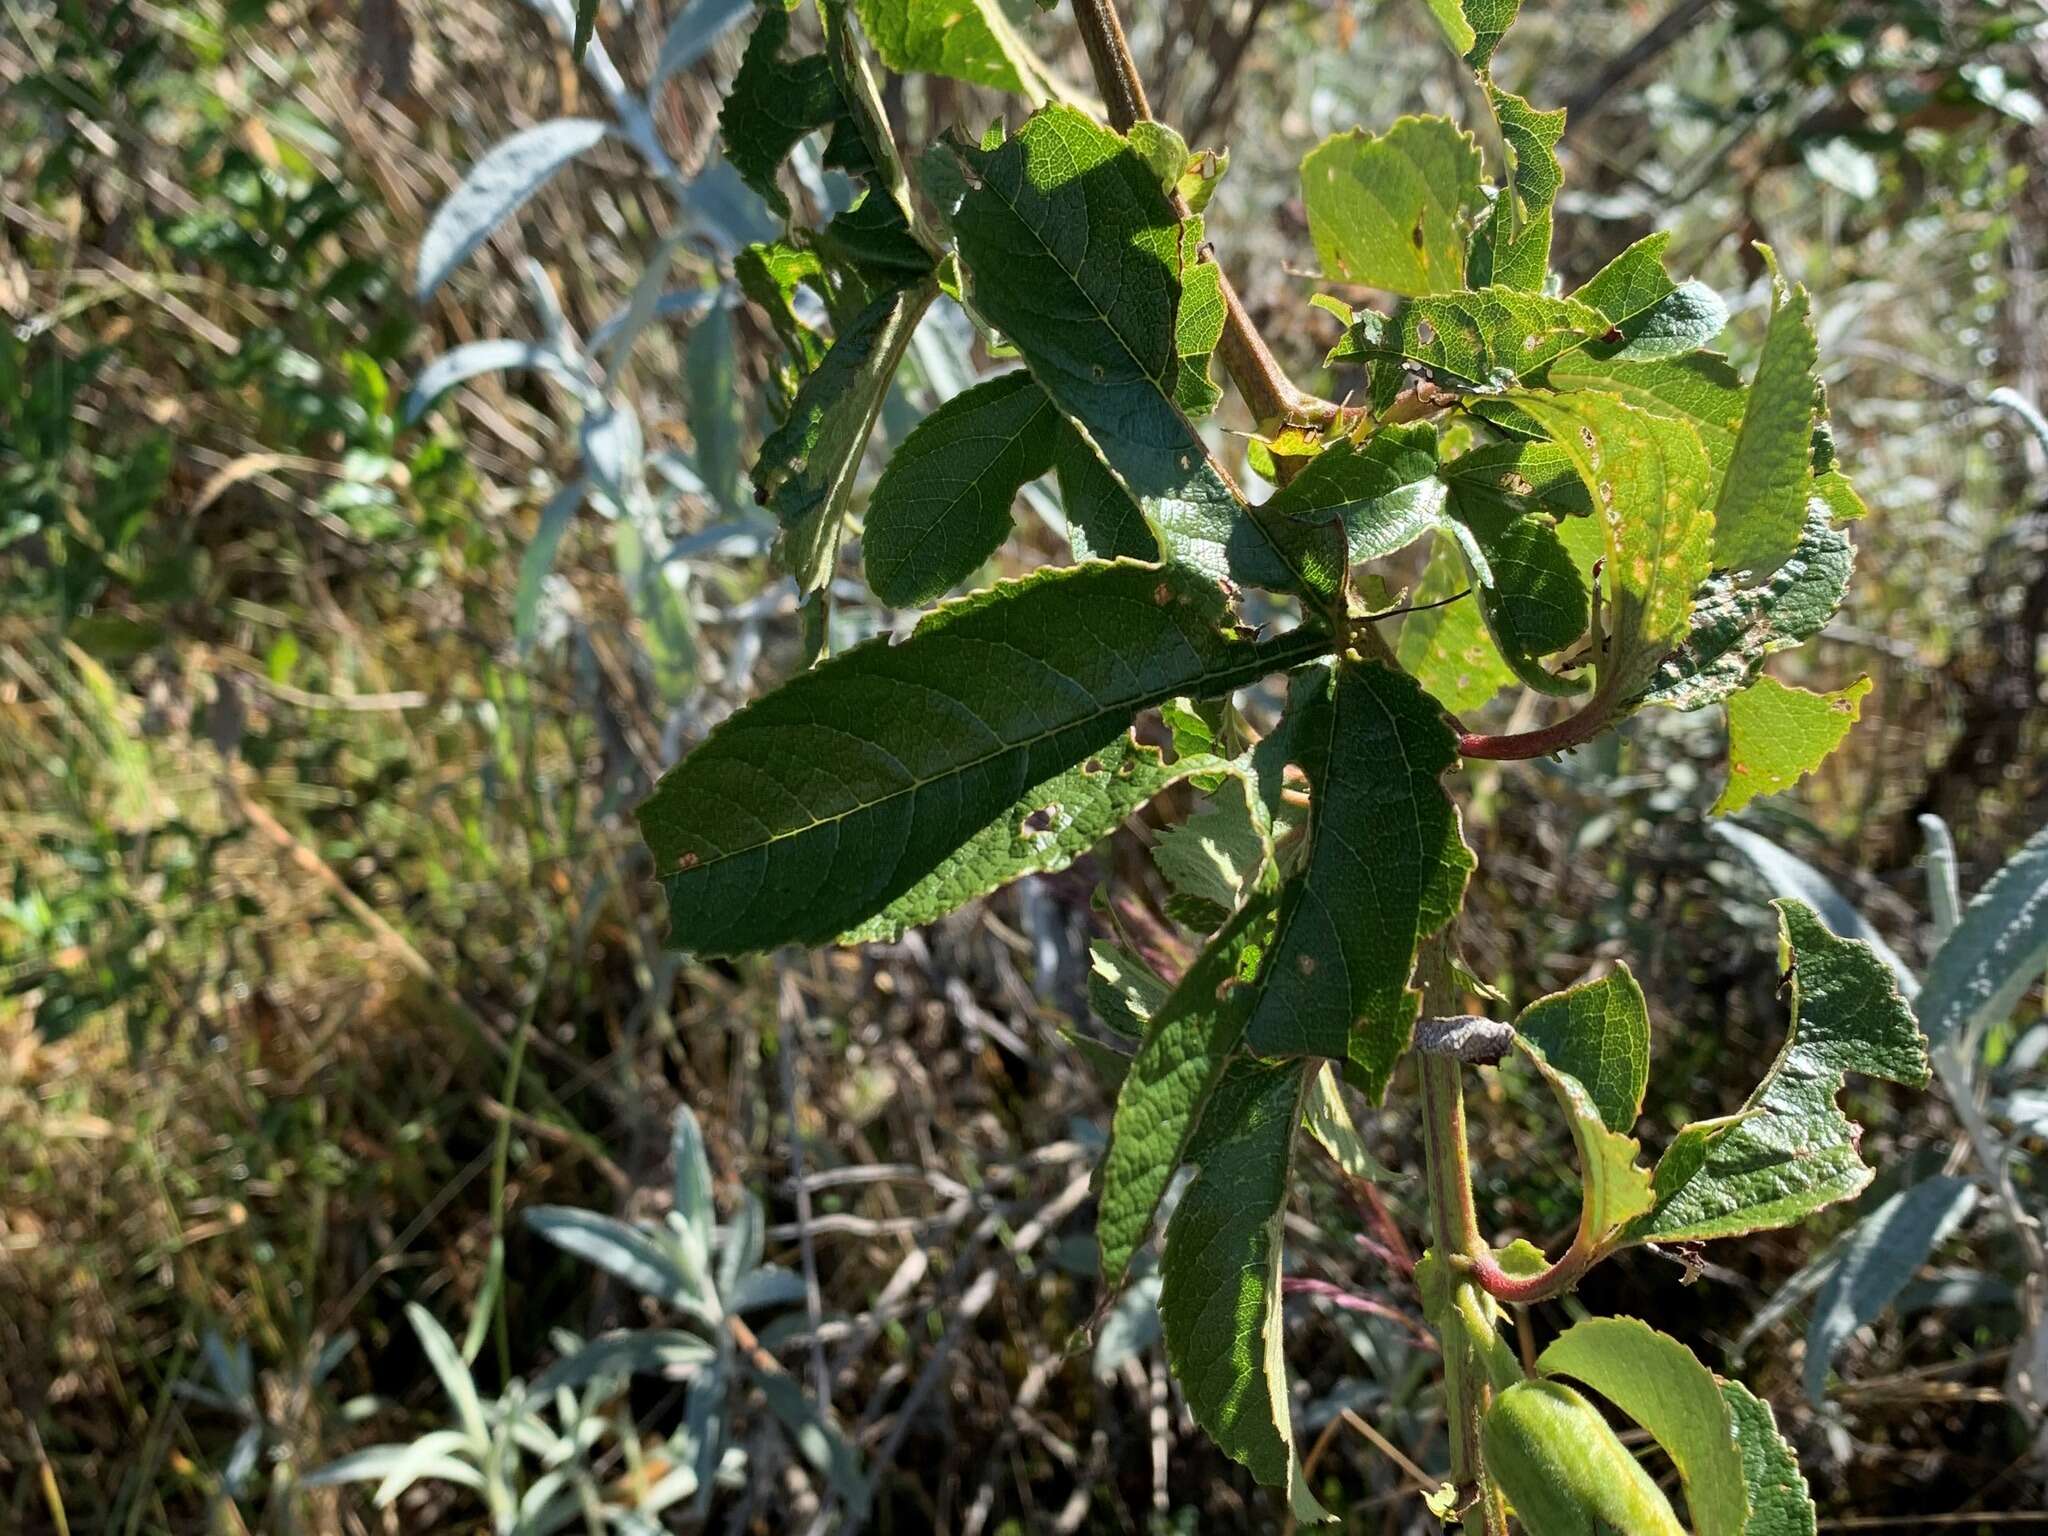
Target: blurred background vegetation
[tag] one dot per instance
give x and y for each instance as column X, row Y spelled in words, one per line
column 327, row 946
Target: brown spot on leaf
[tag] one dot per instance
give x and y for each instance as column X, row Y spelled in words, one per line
column 687, row 861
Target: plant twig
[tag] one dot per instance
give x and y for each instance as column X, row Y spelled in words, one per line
column 1270, row 394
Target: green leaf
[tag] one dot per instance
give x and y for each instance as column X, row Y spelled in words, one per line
column 1446, row 648
column 1331, row 1125
column 1997, row 950
column 1655, row 1380
column 772, row 103
column 1599, row 1032
column 1123, row 991
column 1189, row 1040
column 969, row 40
column 1197, row 327
column 1478, row 343
column 1648, row 477
column 1222, row 852
column 1103, row 522
column 1563, row 1469
column 1511, row 498
column 942, row 506
column 874, row 239
column 1049, row 827
column 1450, row 15
column 770, row 275
column 1778, row 734
column 1386, row 867
column 1077, row 257
column 1384, row 491
column 1779, row 1504
column 1219, row 1295
column 715, row 401
column 586, row 23
column 1699, row 389
column 1656, row 318
column 811, row 809
column 805, row 474
column 1391, row 210
column 1790, row 1152
column 1762, row 506
column 1512, row 247
column 1591, row 1044
column 1489, row 20
column 1735, row 627
column 1882, row 1253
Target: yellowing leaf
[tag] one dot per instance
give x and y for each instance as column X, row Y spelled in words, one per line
column 1777, row 734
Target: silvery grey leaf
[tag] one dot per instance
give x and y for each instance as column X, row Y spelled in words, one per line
column 1883, row 1252
column 1997, row 951
column 1789, row 875
column 480, row 357
column 690, row 36
column 496, row 187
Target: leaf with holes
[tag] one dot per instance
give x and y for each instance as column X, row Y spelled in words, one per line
column 1512, row 246
column 1482, row 342
column 1790, row 1151
column 1778, row 734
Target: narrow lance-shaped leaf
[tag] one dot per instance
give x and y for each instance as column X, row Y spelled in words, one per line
column 1884, row 1250
column 1189, row 1041
column 812, row 809
column 1386, row 868
column 1655, row 1380
column 1076, row 255
column 1648, row 478
column 1512, row 246
column 1790, row 1151
column 1390, row 210
column 497, row 187
column 1778, row 734
column 1996, row 951
column 1220, row 1279
column 805, row 474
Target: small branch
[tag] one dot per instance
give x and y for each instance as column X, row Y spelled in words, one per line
column 1522, row 1290
column 1259, row 378
column 1575, row 731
